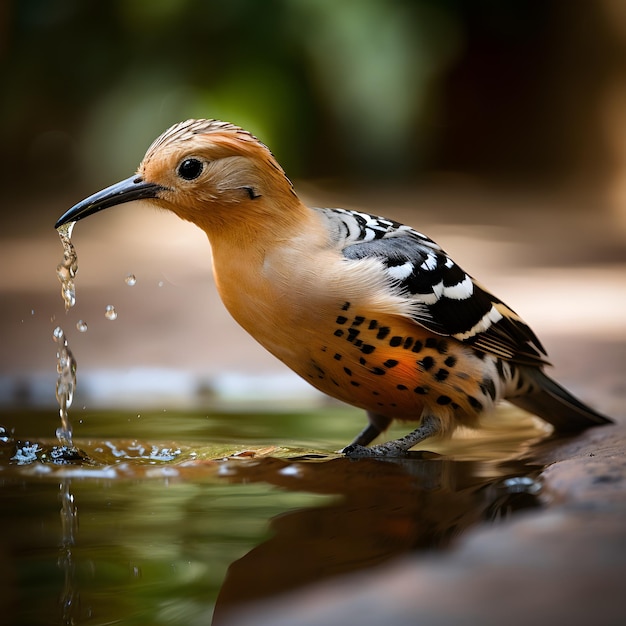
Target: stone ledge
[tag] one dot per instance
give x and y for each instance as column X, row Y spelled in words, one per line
column 562, row 564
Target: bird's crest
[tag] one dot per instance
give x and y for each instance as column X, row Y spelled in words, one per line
column 184, row 131
column 222, row 134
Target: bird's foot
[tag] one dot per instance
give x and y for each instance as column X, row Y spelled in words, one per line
column 382, row 450
column 398, row 447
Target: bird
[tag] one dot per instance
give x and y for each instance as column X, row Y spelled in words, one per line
column 366, row 309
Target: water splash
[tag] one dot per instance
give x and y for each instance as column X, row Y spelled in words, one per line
column 26, row 454
column 66, row 384
column 110, row 313
column 68, row 267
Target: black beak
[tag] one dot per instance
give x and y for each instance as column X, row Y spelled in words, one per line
column 133, row 188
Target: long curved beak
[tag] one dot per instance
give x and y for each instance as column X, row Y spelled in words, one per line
column 133, row 188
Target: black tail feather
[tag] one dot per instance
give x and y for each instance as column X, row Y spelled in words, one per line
column 556, row 405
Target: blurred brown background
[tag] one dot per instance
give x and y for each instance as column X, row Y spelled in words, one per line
column 498, row 128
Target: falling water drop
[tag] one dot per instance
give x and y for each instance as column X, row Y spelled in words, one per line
column 66, row 383
column 67, row 268
column 110, row 313
column 81, row 326
column 131, row 280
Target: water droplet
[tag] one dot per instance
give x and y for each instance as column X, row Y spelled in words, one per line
column 58, row 335
column 68, row 291
column 5, row 436
column 81, row 326
column 130, row 280
column 110, row 313
column 32, row 311
column 161, row 283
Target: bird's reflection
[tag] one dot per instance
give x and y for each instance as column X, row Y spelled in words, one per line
column 383, row 509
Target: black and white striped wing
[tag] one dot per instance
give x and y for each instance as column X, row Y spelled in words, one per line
column 447, row 300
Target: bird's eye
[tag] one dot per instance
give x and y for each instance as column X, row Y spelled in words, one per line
column 190, row 169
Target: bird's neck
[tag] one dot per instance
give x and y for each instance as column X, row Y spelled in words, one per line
column 258, row 234
column 239, row 221
column 259, row 265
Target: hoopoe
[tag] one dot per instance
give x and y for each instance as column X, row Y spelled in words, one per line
column 364, row 308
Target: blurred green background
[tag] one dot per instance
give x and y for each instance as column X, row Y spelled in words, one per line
column 497, row 128
column 523, row 90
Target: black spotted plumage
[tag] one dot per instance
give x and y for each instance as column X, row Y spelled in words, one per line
column 446, row 299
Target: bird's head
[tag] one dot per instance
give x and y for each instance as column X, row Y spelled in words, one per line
column 211, row 173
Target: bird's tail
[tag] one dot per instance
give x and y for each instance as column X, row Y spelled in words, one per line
column 555, row 404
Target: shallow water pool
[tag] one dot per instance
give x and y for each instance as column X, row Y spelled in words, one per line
column 178, row 517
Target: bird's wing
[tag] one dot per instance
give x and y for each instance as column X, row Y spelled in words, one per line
column 447, row 300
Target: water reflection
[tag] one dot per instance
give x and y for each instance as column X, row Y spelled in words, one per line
column 68, row 601
column 383, row 509
column 174, row 531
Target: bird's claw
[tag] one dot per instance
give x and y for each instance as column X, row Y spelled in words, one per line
column 355, row 451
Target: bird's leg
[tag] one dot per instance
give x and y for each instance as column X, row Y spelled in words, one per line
column 377, row 424
column 398, row 447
